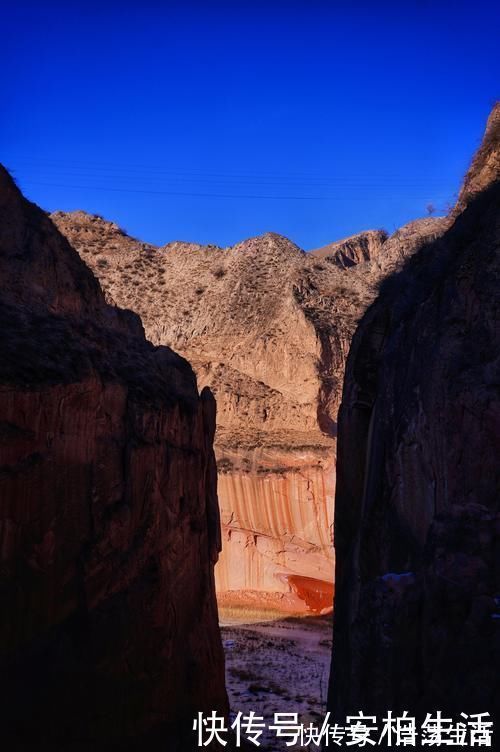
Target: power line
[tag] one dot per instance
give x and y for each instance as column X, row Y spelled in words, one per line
column 193, row 194
column 100, row 169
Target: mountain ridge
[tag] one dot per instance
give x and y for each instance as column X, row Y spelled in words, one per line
column 267, row 328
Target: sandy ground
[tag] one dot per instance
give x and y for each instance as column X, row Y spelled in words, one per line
column 277, row 665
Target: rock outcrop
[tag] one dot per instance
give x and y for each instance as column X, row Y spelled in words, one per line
column 365, row 246
column 109, row 525
column 267, row 327
column 375, row 254
column 485, row 165
column 417, row 519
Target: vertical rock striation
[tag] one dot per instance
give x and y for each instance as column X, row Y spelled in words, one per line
column 417, row 518
column 109, row 525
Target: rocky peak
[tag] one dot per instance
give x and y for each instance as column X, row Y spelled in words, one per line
column 271, row 245
column 485, row 166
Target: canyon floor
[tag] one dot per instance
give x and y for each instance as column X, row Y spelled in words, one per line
column 276, row 664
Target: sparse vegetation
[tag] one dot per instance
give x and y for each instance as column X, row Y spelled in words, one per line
column 224, row 465
column 219, row 272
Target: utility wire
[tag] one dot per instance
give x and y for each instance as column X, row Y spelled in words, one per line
column 193, row 194
column 96, row 169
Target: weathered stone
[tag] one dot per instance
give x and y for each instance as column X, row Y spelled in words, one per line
column 109, row 524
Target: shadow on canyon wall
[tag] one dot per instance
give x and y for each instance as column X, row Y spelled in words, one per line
column 109, row 526
column 109, row 521
column 417, row 519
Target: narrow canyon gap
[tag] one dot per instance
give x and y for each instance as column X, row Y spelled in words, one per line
column 267, row 327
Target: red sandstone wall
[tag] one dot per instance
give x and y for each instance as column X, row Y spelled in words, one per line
column 277, row 533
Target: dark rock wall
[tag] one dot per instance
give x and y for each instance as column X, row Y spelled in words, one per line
column 109, row 526
column 417, row 530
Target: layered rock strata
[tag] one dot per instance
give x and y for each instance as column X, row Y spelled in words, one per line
column 109, row 526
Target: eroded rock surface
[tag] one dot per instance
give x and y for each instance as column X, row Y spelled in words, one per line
column 267, row 327
column 365, row 246
column 109, row 526
column 417, row 520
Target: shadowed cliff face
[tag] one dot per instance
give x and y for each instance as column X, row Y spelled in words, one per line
column 417, row 519
column 267, row 327
column 109, row 525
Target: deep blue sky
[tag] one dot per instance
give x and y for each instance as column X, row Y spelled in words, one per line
column 214, row 121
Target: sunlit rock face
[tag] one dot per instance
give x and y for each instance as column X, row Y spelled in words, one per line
column 485, row 165
column 277, row 522
column 358, row 249
column 267, row 327
column 109, row 526
column 417, row 519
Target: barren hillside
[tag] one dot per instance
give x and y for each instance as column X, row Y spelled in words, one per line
column 268, row 328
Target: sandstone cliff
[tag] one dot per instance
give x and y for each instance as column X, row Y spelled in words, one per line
column 109, row 525
column 375, row 254
column 365, row 246
column 267, row 327
column 417, row 519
